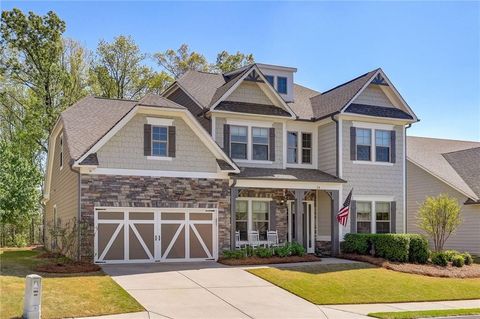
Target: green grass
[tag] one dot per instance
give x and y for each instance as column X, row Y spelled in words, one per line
column 363, row 283
column 75, row 295
column 425, row 313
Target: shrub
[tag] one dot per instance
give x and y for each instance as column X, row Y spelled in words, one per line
column 282, row 251
column 234, row 254
column 458, row 261
column 263, row 252
column 296, row 249
column 468, row 258
column 356, row 244
column 418, row 251
column 394, row 247
column 439, row 259
column 450, row 254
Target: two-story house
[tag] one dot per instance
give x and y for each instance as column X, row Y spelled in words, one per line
column 176, row 177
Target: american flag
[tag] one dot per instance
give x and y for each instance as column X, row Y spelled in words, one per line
column 342, row 216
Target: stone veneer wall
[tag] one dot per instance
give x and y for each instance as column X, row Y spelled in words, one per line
column 145, row 191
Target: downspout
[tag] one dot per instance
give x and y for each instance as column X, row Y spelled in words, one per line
column 337, row 134
column 406, row 178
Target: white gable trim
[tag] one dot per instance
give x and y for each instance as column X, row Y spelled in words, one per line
column 148, row 110
column 472, row 195
column 379, row 71
column 270, row 88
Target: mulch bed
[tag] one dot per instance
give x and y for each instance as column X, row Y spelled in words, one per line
column 470, row 271
column 266, row 261
column 71, row 267
column 49, row 255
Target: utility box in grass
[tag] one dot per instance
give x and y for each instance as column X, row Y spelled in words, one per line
column 32, row 308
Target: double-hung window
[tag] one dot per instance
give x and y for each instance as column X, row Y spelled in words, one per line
column 260, row 218
column 238, row 142
column 292, row 147
column 382, row 217
column 252, row 215
column 159, row 140
column 364, row 144
column 260, row 143
column 364, row 217
column 282, row 84
column 242, row 219
column 307, row 148
column 382, row 145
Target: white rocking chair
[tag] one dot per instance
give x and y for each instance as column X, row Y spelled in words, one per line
column 272, row 238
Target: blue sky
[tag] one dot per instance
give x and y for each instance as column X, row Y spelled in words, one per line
column 429, row 50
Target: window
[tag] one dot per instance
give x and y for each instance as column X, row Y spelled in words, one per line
column 260, row 143
column 270, row 79
column 238, row 142
column 61, row 151
column 364, row 142
column 292, row 144
column 159, row 140
column 382, row 217
column 382, row 146
column 242, row 219
column 260, row 218
column 282, row 84
column 307, row 148
column 364, row 217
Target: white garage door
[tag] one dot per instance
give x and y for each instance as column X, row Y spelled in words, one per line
column 127, row 235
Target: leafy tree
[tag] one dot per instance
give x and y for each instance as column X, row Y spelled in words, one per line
column 228, row 62
column 119, row 72
column 177, row 62
column 439, row 217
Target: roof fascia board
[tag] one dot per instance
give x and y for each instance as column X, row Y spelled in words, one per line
column 249, row 114
column 276, row 67
column 443, row 180
column 375, row 119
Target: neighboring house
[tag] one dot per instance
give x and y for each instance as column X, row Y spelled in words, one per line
column 438, row 166
column 175, row 177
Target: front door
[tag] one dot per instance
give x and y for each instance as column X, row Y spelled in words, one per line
column 308, row 224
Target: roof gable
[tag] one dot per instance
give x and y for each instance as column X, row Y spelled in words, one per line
column 467, row 164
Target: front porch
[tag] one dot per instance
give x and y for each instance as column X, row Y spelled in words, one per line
column 300, row 204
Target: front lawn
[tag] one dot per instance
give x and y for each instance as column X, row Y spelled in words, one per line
column 358, row 283
column 425, row 313
column 63, row 295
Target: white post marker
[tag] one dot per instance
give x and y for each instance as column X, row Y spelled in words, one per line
column 32, row 308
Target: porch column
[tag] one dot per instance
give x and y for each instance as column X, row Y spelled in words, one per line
column 334, row 231
column 299, row 196
column 233, row 215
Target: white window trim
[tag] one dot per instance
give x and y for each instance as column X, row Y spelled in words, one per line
column 373, row 127
column 249, row 201
column 249, row 125
column 268, row 144
column 373, row 214
column 158, row 157
column 157, row 121
column 61, row 151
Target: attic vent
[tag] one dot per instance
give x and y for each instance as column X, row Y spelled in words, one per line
column 379, row 80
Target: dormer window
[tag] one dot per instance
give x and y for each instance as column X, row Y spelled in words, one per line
column 270, row 79
column 282, row 84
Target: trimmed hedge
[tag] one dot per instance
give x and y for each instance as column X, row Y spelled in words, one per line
column 440, row 258
column 394, row 247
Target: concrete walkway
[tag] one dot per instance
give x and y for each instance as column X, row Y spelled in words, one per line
column 211, row 290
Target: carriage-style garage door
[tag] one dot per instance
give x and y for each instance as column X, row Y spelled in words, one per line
column 124, row 235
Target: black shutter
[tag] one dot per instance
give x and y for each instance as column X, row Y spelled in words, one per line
column 393, row 217
column 272, row 144
column 171, row 141
column 226, row 139
column 147, row 139
column 272, row 216
column 353, row 216
column 353, row 142
column 392, row 147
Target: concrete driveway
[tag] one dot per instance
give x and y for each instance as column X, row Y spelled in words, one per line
column 210, row 290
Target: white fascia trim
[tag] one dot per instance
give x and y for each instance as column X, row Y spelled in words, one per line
column 155, row 173
column 246, row 161
column 376, row 126
column 159, row 121
column 472, row 196
column 249, row 123
column 57, row 129
column 261, row 183
column 374, row 198
column 221, row 112
column 374, row 119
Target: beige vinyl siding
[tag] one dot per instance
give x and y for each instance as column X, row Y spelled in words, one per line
column 373, row 95
column 327, row 148
column 125, row 150
column 249, row 92
column 63, row 190
column 324, row 216
column 421, row 184
column 375, row 179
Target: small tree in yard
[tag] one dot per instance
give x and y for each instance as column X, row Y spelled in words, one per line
column 439, row 217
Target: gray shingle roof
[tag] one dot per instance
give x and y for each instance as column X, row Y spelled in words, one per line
column 224, row 166
column 437, row 155
column 301, row 105
column 159, row 101
column 379, row 111
column 251, row 108
column 201, row 85
column 288, row 174
column 225, row 87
